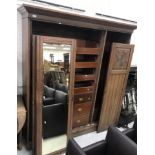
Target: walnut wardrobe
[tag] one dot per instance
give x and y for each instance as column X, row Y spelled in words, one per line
column 75, row 70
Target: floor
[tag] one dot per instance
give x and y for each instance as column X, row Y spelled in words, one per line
column 83, row 140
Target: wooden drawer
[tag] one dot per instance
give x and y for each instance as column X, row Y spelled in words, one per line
column 84, row 77
column 81, row 98
column 85, row 64
column 83, row 90
column 81, row 113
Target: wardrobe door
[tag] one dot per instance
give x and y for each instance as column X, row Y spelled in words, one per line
column 119, row 65
column 51, row 93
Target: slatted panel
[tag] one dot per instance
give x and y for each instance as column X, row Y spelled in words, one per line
column 118, row 86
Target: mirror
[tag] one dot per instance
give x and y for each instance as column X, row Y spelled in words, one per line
column 56, row 61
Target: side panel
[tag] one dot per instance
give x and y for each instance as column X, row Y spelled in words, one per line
column 26, row 46
column 117, row 76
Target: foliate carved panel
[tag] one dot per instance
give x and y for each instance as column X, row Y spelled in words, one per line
column 121, row 59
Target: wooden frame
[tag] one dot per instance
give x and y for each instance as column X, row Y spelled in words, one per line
column 112, row 90
column 70, row 19
column 37, row 89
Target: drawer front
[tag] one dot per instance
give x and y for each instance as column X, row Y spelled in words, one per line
column 80, row 121
column 83, row 90
column 81, row 114
column 82, row 109
column 81, row 98
column 84, row 77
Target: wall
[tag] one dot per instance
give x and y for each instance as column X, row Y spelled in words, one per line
column 119, row 8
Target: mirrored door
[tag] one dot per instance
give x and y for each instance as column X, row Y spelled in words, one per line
column 52, row 87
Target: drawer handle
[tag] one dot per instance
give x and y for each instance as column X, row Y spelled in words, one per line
column 79, row 109
column 89, row 98
column 78, row 121
column 88, row 89
column 45, row 122
column 80, row 99
column 86, row 75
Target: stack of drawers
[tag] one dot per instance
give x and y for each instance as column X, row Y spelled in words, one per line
column 85, row 83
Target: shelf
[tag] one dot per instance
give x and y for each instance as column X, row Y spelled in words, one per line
column 89, row 51
column 86, row 65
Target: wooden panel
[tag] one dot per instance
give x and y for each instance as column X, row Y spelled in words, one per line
column 81, row 109
column 90, row 51
column 81, row 114
column 86, row 65
column 83, row 90
column 26, row 32
column 84, row 77
column 80, row 98
column 117, row 76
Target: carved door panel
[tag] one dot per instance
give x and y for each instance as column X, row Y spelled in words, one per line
column 117, row 75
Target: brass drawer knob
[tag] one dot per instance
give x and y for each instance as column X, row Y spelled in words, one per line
column 89, row 98
column 79, row 109
column 88, row 89
column 78, row 121
column 80, row 99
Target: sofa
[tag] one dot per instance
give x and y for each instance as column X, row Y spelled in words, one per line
column 54, row 112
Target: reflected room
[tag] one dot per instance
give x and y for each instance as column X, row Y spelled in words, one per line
column 56, row 60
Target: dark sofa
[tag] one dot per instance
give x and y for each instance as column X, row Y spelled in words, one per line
column 54, row 112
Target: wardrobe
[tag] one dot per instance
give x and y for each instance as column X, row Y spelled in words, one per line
column 82, row 87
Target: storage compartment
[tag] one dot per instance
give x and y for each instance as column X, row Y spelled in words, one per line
column 83, row 84
column 84, row 71
column 111, row 37
column 86, row 58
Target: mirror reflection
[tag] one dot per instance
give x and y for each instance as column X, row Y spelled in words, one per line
column 56, row 58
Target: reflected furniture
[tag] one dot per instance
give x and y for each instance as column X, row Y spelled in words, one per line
column 100, row 59
column 55, row 110
column 116, row 143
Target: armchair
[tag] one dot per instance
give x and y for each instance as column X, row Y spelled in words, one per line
column 132, row 132
column 116, row 143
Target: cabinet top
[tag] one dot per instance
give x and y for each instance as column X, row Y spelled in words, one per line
column 76, row 18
